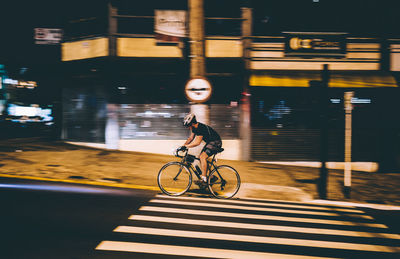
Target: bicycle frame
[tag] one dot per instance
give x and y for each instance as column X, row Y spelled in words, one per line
column 210, row 164
column 216, row 184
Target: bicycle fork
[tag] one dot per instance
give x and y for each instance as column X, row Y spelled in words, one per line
column 180, row 171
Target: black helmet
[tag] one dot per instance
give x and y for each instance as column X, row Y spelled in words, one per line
column 189, row 120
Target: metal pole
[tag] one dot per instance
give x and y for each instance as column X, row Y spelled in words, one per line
column 348, row 107
column 245, row 129
column 323, row 178
column 112, row 30
column 196, row 35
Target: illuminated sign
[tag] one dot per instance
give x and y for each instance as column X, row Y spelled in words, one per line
column 354, row 100
column 31, row 113
column 170, row 25
column 83, row 49
column 20, row 83
column 48, row 36
column 198, row 90
column 315, row 44
column 10, row 81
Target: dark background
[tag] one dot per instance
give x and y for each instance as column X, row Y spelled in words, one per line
column 27, row 61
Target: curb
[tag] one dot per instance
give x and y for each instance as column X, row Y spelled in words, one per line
column 152, row 188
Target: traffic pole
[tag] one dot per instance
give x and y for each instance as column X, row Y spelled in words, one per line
column 348, row 107
column 196, row 39
column 323, row 99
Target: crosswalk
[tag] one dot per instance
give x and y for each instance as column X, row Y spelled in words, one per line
column 210, row 228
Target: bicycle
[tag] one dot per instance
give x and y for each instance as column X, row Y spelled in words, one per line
column 175, row 178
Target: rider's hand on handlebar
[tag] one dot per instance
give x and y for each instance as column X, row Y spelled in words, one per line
column 179, row 149
column 182, row 148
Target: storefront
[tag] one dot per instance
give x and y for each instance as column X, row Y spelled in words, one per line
column 128, row 66
column 285, row 86
column 286, row 118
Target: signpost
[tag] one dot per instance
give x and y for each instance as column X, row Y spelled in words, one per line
column 323, row 103
column 198, row 90
column 348, row 107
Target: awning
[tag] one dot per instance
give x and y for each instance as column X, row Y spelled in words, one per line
column 337, row 79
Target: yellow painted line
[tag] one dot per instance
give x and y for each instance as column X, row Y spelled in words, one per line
column 203, row 212
column 197, row 252
column 213, row 223
column 257, row 239
column 118, row 185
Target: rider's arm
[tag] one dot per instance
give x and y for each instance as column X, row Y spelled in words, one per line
column 197, row 140
column 190, row 139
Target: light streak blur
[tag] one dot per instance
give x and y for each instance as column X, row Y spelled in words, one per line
column 55, row 188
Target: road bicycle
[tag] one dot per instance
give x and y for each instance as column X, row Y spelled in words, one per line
column 175, row 178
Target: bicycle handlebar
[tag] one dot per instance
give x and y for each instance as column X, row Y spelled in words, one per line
column 186, row 156
column 177, row 153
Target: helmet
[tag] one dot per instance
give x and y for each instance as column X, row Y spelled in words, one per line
column 189, row 120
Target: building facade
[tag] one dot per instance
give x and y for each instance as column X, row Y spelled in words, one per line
column 266, row 79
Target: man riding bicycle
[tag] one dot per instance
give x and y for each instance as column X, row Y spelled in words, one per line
column 202, row 132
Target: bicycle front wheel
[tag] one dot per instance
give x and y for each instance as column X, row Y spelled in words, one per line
column 174, row 179
column 224, row 182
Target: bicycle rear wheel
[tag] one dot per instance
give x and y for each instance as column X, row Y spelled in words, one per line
column 174, row 179
column 227, row 183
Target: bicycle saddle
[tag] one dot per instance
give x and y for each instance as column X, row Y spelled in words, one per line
column 220, row 149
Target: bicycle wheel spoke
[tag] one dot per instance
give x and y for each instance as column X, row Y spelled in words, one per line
column 174, row 179
column 227, row 184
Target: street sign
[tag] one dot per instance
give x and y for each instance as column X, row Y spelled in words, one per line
column 48, row 36
column 198, row 90
column 314, row 44
column 170, row 25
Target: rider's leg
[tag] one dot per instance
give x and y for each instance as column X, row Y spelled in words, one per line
column 203, row 163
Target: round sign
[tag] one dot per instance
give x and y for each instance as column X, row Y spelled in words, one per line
column 198, row 90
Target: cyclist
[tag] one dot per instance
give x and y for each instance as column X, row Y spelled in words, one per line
column 202, row 132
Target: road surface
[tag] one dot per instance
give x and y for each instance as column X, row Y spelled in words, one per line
column 58, row 220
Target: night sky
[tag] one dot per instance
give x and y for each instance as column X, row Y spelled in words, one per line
column 19, row 18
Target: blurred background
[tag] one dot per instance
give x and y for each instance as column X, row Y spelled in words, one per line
column 116, row 73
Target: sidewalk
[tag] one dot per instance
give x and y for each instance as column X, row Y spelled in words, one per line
column 55, row 160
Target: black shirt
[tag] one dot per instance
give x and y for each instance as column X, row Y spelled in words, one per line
column 208, row 133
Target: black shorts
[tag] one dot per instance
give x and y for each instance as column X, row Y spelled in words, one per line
column 212, row 147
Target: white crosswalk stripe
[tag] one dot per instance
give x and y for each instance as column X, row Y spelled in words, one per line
column 190, row 251
column 256, row 239
column 202, row 227
column 257, row 216
column 208, row 204
column 281, row 205
column 211, row 223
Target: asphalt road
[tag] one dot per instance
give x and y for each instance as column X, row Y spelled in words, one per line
column 59, row 220
column 56, row 220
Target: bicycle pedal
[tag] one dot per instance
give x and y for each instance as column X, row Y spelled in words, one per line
column 213, row 179
column 201, row 184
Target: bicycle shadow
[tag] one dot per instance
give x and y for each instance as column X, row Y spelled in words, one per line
column 204, row 193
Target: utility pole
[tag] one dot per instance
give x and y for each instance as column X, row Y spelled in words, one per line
column 348, row 107
column 245, row 129
column 112, row 30
column 246, row 42
column 323, row 99
column 196, row 39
